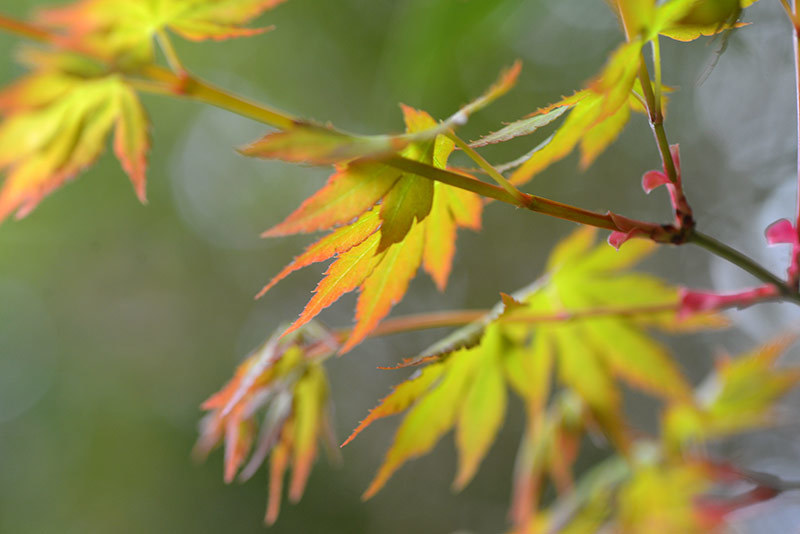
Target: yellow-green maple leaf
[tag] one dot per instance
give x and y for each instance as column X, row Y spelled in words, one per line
column 599, row 113
column 124, row 30
column 578, row 330
column 740, row 395
column 466, row 391
column 55, row 124
column 416, row 220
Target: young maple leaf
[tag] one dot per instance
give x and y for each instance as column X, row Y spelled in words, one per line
column 683, row 20
column 55, row 123
column 381, row 251
column 534, row 339
column 688, row 24
column 599, row 113
column 740, row 395
column 292, row 391
column 322, row 145
column 467, row 390
column 663, row 498
column 123, row 30
column 389, row 222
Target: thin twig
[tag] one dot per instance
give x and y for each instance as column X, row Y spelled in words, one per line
column 493, row 173
column 24, row 29
column 794, row 270
column 170, row 54
column 735, row 257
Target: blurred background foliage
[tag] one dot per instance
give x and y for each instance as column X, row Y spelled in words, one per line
column 117, row 320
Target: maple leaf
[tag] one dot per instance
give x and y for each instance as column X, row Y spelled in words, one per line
column 589, row 353
column 662, row 498
column 467, row 390
column 683, row 20
column 291, row 390
column 389, row 222
column 123, row 30
column 308, row 142
column 55, row 123
column 647, row 491
column 740, row 395
column 529, row 124
column 599, row 113
column 639, row 493
column 381, row 251
column 690, row 23
column 527, row 345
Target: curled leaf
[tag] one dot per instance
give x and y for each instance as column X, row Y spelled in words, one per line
column 781, row 232
column 653, row 179
column 522, row 127
column 617, row 239
column 291, row 391
column 55, row 125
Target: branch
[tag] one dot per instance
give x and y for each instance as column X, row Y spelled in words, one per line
column 487, row 168
column 735, row 257
column 462, row 317
column 794, row 269
column 607, row 221
column 188, row 86
column 683, row 211
column 684, row 220
column 426, row 321
column 767, row 487
column 24, row 29
column 160, row 80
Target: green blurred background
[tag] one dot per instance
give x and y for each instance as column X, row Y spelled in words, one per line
column 117, row 320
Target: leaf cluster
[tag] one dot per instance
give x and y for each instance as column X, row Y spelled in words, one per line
column 569, row 347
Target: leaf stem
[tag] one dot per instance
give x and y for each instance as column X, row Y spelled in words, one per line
column 588, row 313
column 170, row 54
column 24, row 29
column 441, row 319
column 787, row 8
column 657, row 122
column 607, row 221
column 684, row 221
column 745, row 263
column 423, row 321
column 187, row 86
column 488, row 167
column 657, row 70
column 794, row 270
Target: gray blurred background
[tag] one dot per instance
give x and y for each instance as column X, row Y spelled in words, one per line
column 117, row 320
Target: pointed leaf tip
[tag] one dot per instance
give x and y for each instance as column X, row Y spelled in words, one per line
column 781, row 232
column 652, row 180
